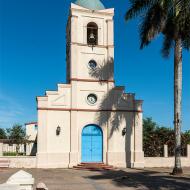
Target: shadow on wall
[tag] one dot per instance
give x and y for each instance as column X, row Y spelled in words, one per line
column 34, row 148
column 103, row 71
column 114, row 99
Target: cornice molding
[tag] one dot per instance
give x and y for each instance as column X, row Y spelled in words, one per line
column 99, row 46
column 91, row 80
column 92, row 11
column 88, row 110
column 32, row 123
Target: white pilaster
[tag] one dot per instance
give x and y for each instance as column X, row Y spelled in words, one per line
column 1, row 149
column 165, row 150
column 188, row 150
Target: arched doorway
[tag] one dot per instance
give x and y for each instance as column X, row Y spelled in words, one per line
column 92, row 144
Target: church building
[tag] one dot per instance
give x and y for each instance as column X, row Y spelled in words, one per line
column 89, row 119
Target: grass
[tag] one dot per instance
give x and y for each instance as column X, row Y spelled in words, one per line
column 13, row 154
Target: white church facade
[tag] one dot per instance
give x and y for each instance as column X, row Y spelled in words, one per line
column 89, row 119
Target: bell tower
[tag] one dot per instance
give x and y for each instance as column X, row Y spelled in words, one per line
column 91, row 114
column 90, row 43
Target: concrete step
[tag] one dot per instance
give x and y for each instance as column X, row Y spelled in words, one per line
column 4, row 163
column 93, row 166
column 92, row 163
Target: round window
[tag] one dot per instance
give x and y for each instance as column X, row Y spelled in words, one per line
column 92, row 64
column 92, row 99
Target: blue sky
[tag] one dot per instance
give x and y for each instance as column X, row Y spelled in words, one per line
column 32, row 60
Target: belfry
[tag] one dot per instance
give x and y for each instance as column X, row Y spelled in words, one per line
column 89, row 119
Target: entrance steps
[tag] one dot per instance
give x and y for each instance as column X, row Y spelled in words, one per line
column 93, row 166
column 4, row 163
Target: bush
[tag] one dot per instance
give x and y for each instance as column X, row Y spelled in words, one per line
column 155, row 137
column 13, row 154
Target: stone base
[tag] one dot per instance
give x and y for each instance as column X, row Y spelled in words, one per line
column 73, row 159
column 117, row 159
column 137, row 165
column 52, row 160
column 68, row 160
column 135, row 159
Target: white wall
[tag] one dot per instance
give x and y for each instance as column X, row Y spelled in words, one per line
column 155, row 162
column 31, row 131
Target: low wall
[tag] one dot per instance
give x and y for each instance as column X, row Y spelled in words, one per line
column 153, row 162
column 12, row 148
column 20, row 161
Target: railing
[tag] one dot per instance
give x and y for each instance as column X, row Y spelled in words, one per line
column 161, row 151
column 167, row 160
column 14, row 149
column 168, row 152
column 9, row 148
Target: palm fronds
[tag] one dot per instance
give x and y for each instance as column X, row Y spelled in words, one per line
column 169, row 17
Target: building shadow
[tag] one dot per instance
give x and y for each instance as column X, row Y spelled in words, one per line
column 142, row 179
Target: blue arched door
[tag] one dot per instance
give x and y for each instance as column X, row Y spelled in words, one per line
column 92, row 144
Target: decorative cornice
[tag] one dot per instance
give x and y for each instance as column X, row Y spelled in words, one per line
column 92, row 11
column 109, row 20
column 74, row 16
column 99, row 46
column 88, row 110
column 52, row 93
column 41, row 98
column 91, row 80
column 62, row 85
column 30, row 123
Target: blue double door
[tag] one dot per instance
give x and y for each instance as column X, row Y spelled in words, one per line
column 92, row 144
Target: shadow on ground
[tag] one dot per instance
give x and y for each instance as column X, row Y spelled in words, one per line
column 142, row 179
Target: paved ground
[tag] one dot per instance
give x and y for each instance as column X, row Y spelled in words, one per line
column 68, row 179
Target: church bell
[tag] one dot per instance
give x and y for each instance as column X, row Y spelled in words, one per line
column 92, row 38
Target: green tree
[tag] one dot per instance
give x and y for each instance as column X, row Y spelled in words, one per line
column 17, row 135
column 172, row 19
column 155, row 137
column 187, row 136
column 2, row 134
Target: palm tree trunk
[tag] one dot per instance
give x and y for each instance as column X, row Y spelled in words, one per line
column 177, row 105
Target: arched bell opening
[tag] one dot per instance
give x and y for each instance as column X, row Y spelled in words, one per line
column 92, row 34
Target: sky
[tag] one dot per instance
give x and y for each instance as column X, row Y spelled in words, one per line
column 32, row 60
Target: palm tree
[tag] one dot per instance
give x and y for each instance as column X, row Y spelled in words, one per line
column 172, row 19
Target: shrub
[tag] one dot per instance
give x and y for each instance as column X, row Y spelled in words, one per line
column 155, row 137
